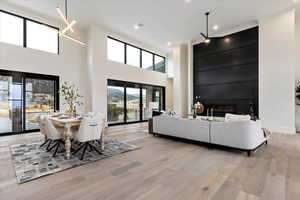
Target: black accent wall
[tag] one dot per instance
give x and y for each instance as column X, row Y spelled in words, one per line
column 226, row 73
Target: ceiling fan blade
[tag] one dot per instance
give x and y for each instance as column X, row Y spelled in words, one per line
column 64, row 18
column 204, row 35
column 67, row 28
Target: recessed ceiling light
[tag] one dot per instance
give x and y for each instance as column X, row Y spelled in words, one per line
column 227, row 40
column 215, row 27
column 169, row 43
column 295, row 1
column 138, row 26
column 187, row 1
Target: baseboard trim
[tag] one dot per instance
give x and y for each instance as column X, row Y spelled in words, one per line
column 284, row 130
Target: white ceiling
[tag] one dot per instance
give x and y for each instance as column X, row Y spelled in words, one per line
column 164, row 20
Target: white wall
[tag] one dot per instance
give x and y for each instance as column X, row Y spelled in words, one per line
column 70, row 64
column 277, row 72
column 297, row 66
column 101, row 69
column 190, row 76
column 180, row 80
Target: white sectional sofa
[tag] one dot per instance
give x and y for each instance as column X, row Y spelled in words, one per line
column 245, row 135
column 197, row 130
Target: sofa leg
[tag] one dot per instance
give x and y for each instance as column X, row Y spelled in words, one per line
column 266, row 142
column 249, row 153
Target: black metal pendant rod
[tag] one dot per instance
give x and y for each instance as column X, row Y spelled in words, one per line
column 66, row 8
column 207, row 14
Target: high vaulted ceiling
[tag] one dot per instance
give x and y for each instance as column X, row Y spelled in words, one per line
column 164, row 20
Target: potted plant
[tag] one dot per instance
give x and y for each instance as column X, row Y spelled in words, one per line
column 71, row 97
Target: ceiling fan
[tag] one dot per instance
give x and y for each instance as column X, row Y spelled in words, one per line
column 206, row 36
column 69, row 26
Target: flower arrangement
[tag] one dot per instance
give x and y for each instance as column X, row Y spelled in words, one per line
column 71, row 97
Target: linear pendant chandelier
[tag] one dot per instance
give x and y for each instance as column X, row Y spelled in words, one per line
column 69, row 25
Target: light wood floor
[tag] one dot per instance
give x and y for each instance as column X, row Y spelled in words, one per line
column 165, row 169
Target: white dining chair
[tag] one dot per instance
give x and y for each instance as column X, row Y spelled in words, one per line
column 90, row 130
column 43, row 130
column 54, row 134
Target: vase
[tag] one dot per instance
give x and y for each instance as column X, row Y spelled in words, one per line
column 194, row 114
column 70, row 113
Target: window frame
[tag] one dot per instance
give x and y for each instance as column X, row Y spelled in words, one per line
column 140, row 86
column 141, row 57
column 164, row 60
column 25, row 29
column 19, row 78
column 126, row 51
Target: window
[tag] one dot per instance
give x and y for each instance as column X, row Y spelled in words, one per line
column 115, row 104
column 5, row 104
column 132, row 102
column 23, row 97
column 122, row 52
column 41, row 37
column 147, row 60
column 11, row 29
column 133, row 56
column 38, row 35
column 159, row 64
column 40, row 95
column 115, row 50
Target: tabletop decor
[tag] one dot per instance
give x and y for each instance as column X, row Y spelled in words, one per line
column 71, row 97
column 197, row 108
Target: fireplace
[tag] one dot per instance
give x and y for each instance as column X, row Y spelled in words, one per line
column 220, row 110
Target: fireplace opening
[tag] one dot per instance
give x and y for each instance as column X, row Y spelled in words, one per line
column 220, row 110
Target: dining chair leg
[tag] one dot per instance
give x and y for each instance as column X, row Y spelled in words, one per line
column 48, row 146
column 56, row 149
column 44, row 143
column 94, row 148
column 56, row 144
column 85, row 147
column 79, row 148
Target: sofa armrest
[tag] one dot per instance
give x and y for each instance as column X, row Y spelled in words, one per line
column 246, row 135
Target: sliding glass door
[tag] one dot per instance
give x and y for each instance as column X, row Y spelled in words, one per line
column 23, row 97
column 115, row 104
column 132, row 102
column 40, row 99
column 5, row 104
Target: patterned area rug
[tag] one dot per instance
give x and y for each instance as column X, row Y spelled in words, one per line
column 32, row 162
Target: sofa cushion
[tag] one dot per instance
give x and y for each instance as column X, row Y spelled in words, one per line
column 232, row 117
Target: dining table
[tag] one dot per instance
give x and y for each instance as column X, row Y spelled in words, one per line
column 69, row 124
